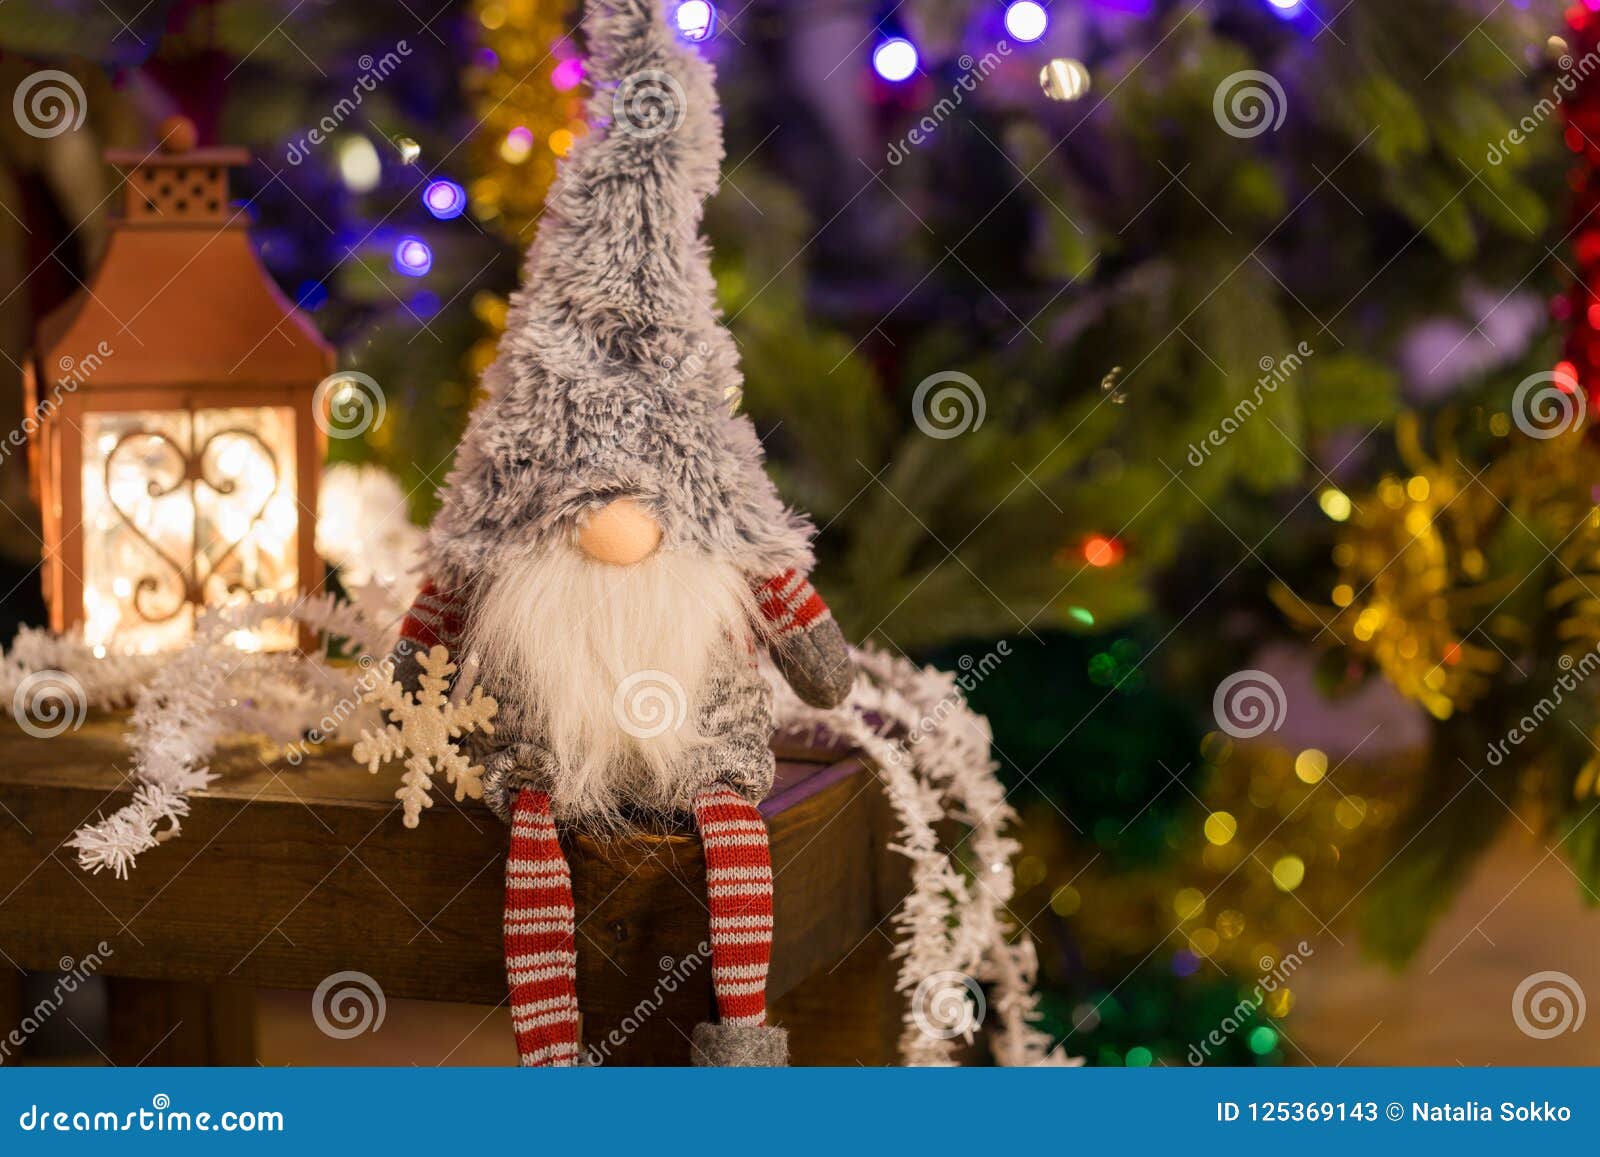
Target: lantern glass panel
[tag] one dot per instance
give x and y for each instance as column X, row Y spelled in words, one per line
column 183, row 508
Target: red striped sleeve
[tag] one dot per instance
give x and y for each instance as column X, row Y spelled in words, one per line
column 437, row 618
column 790, row 604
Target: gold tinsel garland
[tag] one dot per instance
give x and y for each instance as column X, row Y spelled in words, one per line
column 1448, row 553
column 1271, row 857
column 525, row 123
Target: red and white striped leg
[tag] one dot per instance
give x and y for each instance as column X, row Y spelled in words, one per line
column 739, row 892
column 541, row 949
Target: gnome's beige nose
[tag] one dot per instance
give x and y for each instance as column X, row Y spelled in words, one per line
column 620, row 533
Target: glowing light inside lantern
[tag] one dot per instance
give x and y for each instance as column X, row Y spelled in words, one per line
column 1026, row 20
column 895, row 59
column 181, row 508
column 444, row 199
column 412, row 257
column 696, row 20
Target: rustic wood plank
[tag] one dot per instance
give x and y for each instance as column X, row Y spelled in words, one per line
column 10, row 1014
column 285, row 875
column 163, row 1022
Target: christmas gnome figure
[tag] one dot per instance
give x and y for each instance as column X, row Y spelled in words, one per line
column 612, row 554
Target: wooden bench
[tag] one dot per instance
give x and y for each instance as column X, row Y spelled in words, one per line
column 285, row 875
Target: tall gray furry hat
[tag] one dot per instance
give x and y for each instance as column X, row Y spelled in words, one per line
column 614, row 374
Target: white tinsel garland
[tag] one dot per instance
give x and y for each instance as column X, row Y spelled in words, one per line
column 208, row 690
column 932, row 754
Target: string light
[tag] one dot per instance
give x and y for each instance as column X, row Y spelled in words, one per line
column 412, row 257
column 1286, row 8
column 568, row 74
column 517, row 145
column 444, row 199
column 696, row 20
column 359, row 167
column 1065, row 79
column 895, row 59
column 1102, row 550
column 1026, row 20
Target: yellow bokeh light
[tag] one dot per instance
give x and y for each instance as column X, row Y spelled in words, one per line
column 1066, row 900
column 1189, row 903
column 1335, row 504
column 1288, row 873
column 1349, row 812
column 1418, row 489
column 1221, row 827
column 1311, row 765
column 561, row 142
column 515, row 148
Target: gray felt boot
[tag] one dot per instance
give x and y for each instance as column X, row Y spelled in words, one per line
column 758, row 1046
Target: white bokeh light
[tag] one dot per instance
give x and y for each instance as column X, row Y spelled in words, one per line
column 1026, row 20
column 895, row 59
column 696, row 19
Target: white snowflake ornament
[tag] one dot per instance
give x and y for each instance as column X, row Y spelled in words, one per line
column 428, row 724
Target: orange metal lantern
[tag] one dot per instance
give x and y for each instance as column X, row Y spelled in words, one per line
column 174, row 450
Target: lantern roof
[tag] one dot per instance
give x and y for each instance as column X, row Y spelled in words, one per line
column 180, row 297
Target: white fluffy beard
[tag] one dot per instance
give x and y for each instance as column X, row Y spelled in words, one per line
column 612, row 661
